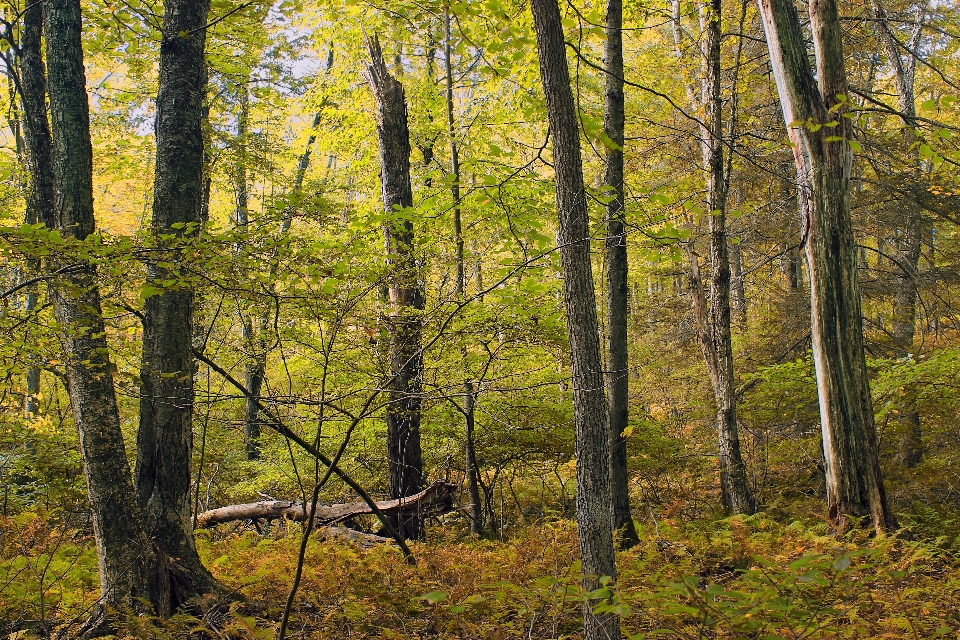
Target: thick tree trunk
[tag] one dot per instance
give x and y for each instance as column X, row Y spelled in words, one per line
column 909, row 240
column 127, row 563
column 618, row 385
column 824, row 161
column 594, row 504
column 165, row 436
column 404, row 289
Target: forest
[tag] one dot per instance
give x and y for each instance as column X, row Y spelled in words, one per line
column 480, row 319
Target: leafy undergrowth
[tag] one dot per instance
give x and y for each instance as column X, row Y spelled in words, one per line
column 753, row 577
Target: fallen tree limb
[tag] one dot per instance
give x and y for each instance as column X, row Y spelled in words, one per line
column 434, row 500
column 274, row 423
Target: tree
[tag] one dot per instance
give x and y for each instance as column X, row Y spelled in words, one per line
column 815, row 115
column 469, row 391
column 128, row 565
column 713, row 321
column 618, row 374
column 404, row 290
column 718, row 346
column 594, row 506
column 909, row 238
column 165, row 437
column 33, row 90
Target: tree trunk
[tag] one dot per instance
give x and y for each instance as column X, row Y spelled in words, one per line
column 733, row 476
column 473, row 485
column 713, row 320
column 909, row 240
column 470, row 397
column 434, row 500
column 404, row 288
column 824, row 161
column 165, row 436
column 253, row 370
column 618, row 378
column 33, row 89
column 594, row 504
column 454, row 153
column 127, row 563
column 738, row 295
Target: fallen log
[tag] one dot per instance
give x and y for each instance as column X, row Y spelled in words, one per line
column 434, row 500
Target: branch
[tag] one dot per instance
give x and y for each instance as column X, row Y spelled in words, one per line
column 275, row 424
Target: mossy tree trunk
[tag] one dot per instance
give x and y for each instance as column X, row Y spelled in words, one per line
column 126, row 560
column 165, row 436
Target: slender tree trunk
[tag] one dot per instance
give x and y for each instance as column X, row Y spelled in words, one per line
column 733, row 476
column 594, row 503
column 127, row 563
column 909, row 240
column 254, row 336
column 31, row 216
column 473, row 484
column 824, row 161
column 454, row 152
column 253, row 369
column 165, row 436
column 404, row 289
column 470, row 398
column 738, row 295
column 713, row 320
column 618, row 378
column 33, row 88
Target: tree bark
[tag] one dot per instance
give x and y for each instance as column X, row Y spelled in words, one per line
column 434, row 500
column 165, row 436
column 733, row 477
column 824, row 161
column 404, row 288
column 127, row 563
column 713, row 320
column 470, row 397
column 253, row 370
column 33, row 89
column 618, row 378
column 738, row 295
column 473, row 484
column 594, row 504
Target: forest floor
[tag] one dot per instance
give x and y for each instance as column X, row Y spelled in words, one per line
column 771, row 575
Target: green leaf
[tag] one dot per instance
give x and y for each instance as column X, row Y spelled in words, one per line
column 148, row 291
column 434, row 597
column 659, row 198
